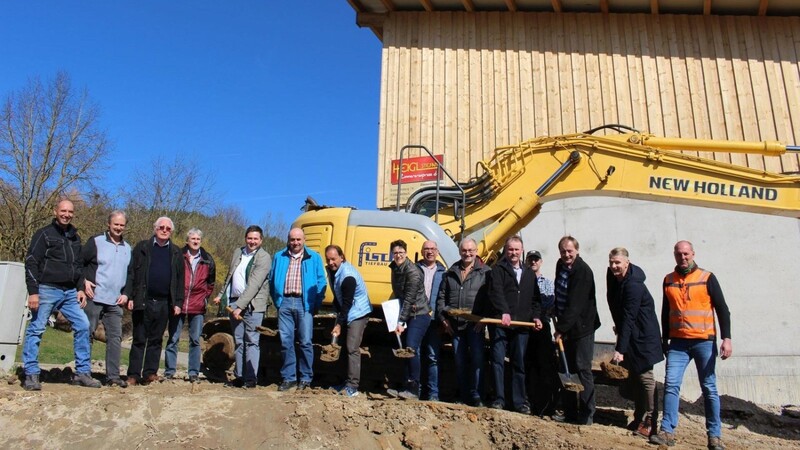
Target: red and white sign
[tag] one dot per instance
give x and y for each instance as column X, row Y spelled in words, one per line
column 417, row 170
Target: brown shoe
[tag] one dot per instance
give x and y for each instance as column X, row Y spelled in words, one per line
column 153, row 378
column 645, row 427
column 133, row 381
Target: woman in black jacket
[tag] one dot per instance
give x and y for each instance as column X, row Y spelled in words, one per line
column 415, row 312
column 638, row 336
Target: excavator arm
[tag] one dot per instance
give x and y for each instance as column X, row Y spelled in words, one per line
column 512, row 186
column 634, row 165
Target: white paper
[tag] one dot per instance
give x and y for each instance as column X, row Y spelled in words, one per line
column 391, row 312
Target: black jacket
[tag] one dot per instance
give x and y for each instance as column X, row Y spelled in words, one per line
column 455, row 294
column 54, row 258
column 634, row 313
column 579, row 319
column 506, row 296
column 136, row 285
column 409, row 287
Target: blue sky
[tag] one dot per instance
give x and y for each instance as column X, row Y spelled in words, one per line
column 277, row 102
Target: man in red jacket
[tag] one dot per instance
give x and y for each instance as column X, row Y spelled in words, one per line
column 199, row 273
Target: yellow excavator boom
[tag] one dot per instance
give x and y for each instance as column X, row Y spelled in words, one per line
column 634, row 165
column 508, row 193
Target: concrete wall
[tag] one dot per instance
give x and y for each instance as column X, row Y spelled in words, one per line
column 755, row 257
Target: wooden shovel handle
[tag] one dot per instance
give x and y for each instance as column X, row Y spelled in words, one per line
column 514, row 323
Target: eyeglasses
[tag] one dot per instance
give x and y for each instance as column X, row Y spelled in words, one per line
column 164, row 228
column 469, row 251
column 399, row 253
column 428, row 249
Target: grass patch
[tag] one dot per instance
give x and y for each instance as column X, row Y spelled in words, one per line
column 56, row 348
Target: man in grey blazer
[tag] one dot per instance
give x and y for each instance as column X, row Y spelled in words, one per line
column 247, row 295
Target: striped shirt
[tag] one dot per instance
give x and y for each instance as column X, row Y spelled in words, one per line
column 562, row 279
column 294, row 277
column 547, row 290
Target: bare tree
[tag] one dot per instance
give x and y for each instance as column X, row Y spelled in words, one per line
column 50, row 146
column 166, row 188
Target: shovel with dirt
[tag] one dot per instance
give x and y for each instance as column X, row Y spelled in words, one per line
column 613, row 370
column 330, row 353
column 402, row 352
column 570, row 381
column 391, row 313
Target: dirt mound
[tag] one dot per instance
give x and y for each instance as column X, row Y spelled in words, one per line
column 177, row 414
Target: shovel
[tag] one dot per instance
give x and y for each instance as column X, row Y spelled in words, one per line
column 330, row 353
column 468, row 316
column 570, row 381
column 261, row 329
column 402, row 352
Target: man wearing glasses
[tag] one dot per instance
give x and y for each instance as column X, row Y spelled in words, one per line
column 155, row 292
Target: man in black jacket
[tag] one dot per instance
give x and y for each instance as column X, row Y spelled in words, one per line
column 155, row 289
column 576, row 311
column 513, row 295
column 52, row 271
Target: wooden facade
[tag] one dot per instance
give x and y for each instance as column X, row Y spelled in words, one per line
column 464, row 83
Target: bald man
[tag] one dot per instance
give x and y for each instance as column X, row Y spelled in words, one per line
column 52, row 270
column 297, row 284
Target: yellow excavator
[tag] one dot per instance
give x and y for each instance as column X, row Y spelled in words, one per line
column 512, row 186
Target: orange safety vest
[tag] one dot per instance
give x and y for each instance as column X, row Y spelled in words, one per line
column 691, row 315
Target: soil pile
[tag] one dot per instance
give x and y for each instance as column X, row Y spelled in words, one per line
column 177, row 414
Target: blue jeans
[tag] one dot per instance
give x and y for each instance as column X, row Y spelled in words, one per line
column 468, row 349
column 431, row 345
column 514, row 343
column 294, row 322
column 704, row 353
column 66, row 301
column 171, row 352
column 416, row 327
column 246, row 339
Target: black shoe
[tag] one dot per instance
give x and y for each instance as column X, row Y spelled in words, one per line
column 85, row 380
column 475, row 402
column 32, row 383
column 558, row 417
column 497, row 405
column 250, row 384
column 117, row 382
column 581, row 421
column 287, row 386
column 715, row 443
column 193, row 379
column 303, row 385
column 524, row 409
column 236, row 383
column 663, row 438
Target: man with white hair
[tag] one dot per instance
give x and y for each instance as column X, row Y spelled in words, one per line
column 155, row 292
column 200, row 272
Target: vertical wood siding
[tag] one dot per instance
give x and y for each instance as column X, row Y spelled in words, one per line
column 464, row 83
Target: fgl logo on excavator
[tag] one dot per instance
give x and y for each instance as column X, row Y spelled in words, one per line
column 366, row 257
